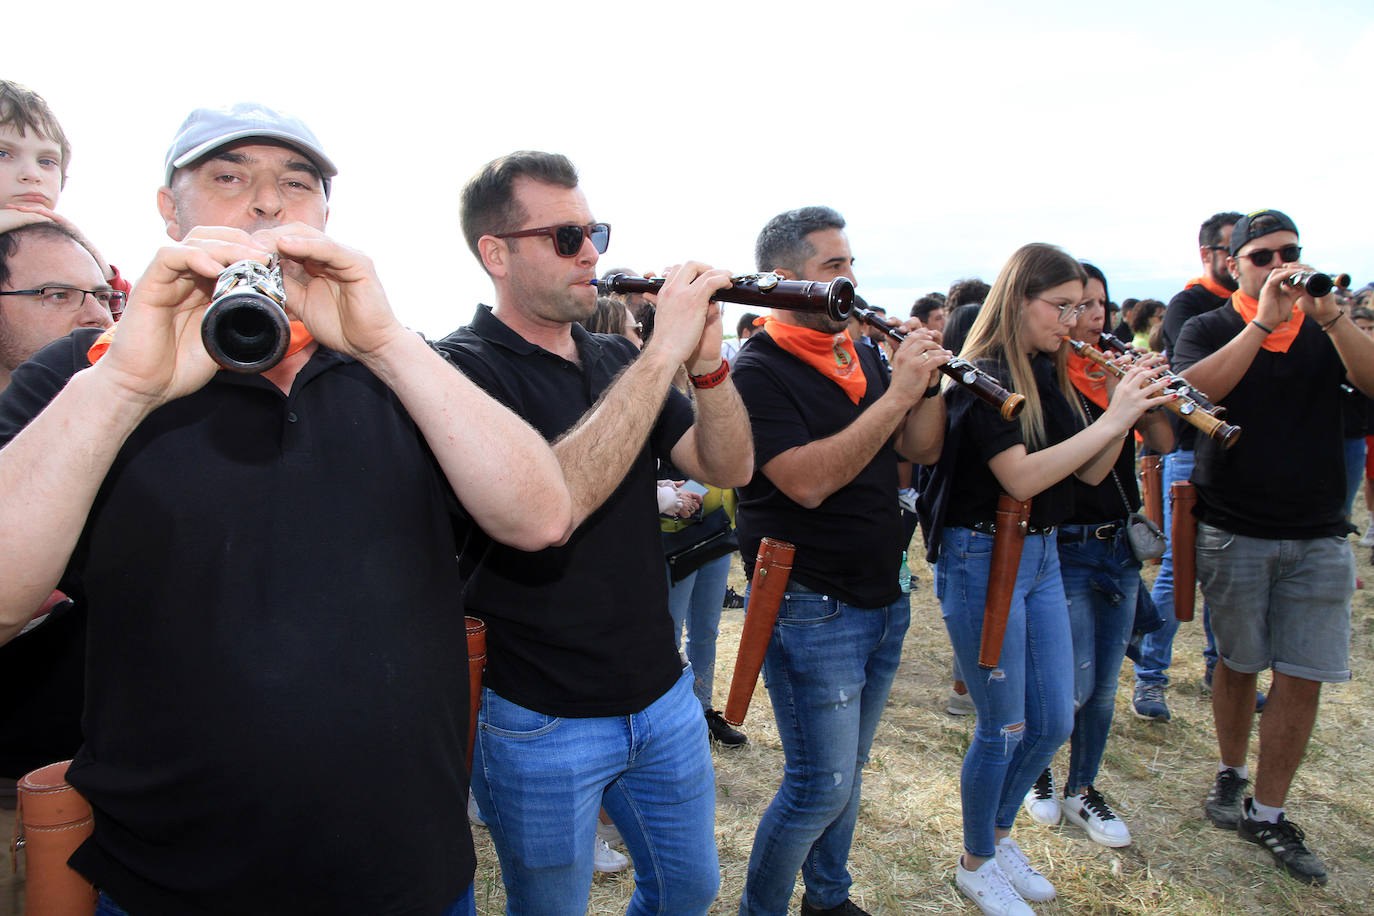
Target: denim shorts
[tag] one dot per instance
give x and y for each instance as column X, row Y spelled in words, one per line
column 1283, row 604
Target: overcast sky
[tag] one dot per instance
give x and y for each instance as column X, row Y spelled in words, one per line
column 948, row 134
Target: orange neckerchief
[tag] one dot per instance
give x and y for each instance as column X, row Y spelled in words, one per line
column 300, row 339
column 832, row 355
column 1284, row 332
column 1089, row 378
column 1212, row 286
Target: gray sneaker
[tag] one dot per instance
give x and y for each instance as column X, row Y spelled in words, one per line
column 1223, row 804
column 1148, row 702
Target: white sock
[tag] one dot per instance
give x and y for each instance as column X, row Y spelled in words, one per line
column 1242, row 771
column 1260, row 812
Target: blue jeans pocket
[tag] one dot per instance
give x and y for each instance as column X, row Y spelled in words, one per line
column 504, row 719
column 807, row 610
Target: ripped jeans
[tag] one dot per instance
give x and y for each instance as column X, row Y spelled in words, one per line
column 828, row 670
column 1025, row 705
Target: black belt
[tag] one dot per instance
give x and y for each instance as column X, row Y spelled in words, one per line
column 1085, row 533
column 991, row 528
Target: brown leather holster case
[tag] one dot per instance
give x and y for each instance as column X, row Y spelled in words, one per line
column 772, row 569
column 1013, row 516
column 1183, row 539
column 477, row 663
column 51, row 821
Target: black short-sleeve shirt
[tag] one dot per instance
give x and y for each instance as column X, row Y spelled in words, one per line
column 582, row 629
column 1188, row 304
column 276, row 706
column 963, row 490
column 851, row 544
column 1111, row 500
column 1285, row 475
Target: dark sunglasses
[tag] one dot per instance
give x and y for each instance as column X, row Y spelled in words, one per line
column 567, row 240
column 1262, row 256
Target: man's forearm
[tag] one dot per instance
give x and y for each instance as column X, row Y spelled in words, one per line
column 1356, row 350
column 810, row 473
column 1216, row 375
column 723, row 441
column 596, row 453
column 499, row 467
column 922, row 434
column 49, row 476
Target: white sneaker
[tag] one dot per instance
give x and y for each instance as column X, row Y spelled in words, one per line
column 606, row 859
column 959, row 704
column 1089, row 810
column 1367, row 539
column 474, row 812
column 991, row 889
column 609, row 832
column 1029, row 883
column 1041, row 803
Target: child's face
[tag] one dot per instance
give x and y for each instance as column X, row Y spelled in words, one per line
column 30, row 168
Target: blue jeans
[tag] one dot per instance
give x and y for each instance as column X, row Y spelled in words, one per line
column 540, row 779
column 1354, row 471
column 1025, row 704
column 1157, row 648
column 697, row 601
column 465, row 905
column 828, row 670
column 1101, row 581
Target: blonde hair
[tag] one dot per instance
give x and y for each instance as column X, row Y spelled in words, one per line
column 997, row 333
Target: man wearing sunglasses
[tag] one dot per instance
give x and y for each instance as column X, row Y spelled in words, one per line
column 587, row 702
column 1271, row 553
column 1209, row 291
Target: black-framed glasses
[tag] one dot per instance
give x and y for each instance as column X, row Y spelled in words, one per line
column 70, row 298
column 1262, row 256
column 567, row 239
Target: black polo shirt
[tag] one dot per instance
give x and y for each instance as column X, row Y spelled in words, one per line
column 276, row 708
column 963, row 490
column 1285, row 476
column 580, row 630
column 851, row 544
column 1106, row 502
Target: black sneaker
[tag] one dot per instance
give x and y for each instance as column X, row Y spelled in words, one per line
column 733, row 599
column 1223, row 802
column 844, row 909
column 1284, row 841
column 721, row 731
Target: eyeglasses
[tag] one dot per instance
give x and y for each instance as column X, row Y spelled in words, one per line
column 1067, row 312
column 69, row 298
column 1262, row 256
column 567, row 240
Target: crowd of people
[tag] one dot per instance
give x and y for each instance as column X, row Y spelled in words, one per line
column 236, row 598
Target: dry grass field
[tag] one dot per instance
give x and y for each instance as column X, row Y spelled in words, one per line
column 1155, row 775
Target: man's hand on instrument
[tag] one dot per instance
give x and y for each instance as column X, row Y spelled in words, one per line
column 915, row 364
column 1277, row 299
column 157, row 356
column 686, row 322
column 334, row 291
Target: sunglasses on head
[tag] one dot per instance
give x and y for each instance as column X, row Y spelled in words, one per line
column 1262, row 256
column 567, row 240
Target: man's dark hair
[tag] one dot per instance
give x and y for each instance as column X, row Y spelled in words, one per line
column 488, row 202
column 745, row 324
column 9, row 242
column 1210, row 234
column 927, row 304
column 782, row 243
column 967, row 291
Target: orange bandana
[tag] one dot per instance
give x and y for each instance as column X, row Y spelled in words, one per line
column 300, row 339
column 1212, row 286
column 1089, row 378
column 1284, row 332
column 832, row 355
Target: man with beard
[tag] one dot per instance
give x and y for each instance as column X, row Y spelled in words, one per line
column 829, row 424
column 1201, row 295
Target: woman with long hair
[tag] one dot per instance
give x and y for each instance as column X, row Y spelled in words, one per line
column 1025, row 704
column 1102, row 583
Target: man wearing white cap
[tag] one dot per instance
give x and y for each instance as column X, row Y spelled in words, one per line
column 277, row 700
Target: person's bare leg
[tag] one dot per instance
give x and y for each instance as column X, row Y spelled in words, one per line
column 1233, row 712
column 1284, row 731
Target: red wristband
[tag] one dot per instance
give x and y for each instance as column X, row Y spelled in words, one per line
column 713, row 378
